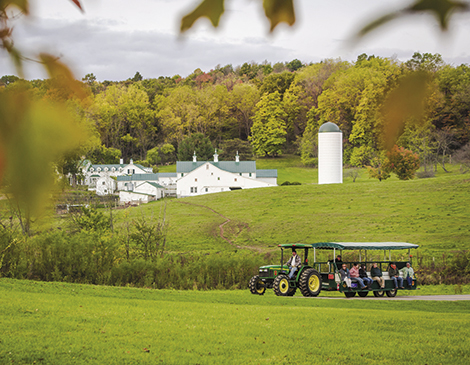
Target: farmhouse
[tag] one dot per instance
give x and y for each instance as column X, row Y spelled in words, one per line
column 204, row 177
column 102, row 178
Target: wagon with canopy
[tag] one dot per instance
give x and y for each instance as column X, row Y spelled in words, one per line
column 313, row 277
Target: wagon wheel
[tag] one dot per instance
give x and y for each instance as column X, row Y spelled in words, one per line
column 391, row 293
column 310, row 283
column 349, row 294
column 256, row 285
column 363, row 294
column 379, row 294
column 281, row 285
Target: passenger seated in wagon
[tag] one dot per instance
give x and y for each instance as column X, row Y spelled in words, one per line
column 376, row 275
column 395, row 276
column 354, row 274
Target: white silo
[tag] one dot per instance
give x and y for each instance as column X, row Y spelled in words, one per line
column 330, row 154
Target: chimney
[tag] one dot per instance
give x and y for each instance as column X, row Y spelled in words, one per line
column 132, row 161
column 121, row 161
column 194, row 157
column 237, row 158
column 216, row 156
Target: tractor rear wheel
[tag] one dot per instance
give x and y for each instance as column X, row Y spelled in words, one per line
column 281, row 285
column 256, row 285
column 310, row 283
column 391, row 293
column 379, row 294
column 292, row 292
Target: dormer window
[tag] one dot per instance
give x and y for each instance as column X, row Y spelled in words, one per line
column 106, row 169
column 92, row 169
column 99, row 169
column 113, row 169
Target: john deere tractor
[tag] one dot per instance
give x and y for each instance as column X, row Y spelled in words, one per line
column 306, row 278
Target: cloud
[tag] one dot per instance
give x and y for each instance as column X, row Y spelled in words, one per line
column 92, row 46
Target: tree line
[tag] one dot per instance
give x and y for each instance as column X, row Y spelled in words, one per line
column 266, row 110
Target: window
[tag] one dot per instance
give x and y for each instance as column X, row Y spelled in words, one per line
column 207, row 190
column 250, row 174
column 182, row 174
column 235, row 179
column 207, row 167
column 218, row 178
column 104, row 182
column 240, row 174
column 195, row 179
column 193, row 190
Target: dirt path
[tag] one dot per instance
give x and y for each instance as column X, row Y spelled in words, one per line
column 221, row 226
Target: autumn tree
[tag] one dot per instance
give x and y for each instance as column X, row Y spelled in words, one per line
column 269, row 128
column 403, row 163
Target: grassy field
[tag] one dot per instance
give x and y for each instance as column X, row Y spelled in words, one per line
column 430, row 212
column 58, row 323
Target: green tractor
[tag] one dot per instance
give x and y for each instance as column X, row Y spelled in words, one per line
column 275, row 277
column 313, row 277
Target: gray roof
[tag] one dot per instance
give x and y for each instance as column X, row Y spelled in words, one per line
column 230, row 166
column 329, row 127
column 266, row 173
column 154, row 185
column 146, row 177
column 116, row 166
column 354, row 245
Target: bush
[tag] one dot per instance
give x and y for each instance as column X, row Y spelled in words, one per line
column 404, row 163
column 285, row 183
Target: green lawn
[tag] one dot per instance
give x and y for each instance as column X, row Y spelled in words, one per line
column 430, row 212
column 58, row 323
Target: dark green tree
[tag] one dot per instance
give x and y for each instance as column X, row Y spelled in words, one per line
column 231, row 147
column 294, row 65
column 195, row 143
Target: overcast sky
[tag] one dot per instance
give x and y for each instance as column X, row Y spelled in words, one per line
column 115, row 38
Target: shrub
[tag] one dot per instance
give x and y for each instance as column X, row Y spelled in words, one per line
column 404, row 163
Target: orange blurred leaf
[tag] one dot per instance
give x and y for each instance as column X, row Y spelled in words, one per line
column 404, row 102
column 57, row 69
column 211, row 9
column 33, row 134
column 278, row 11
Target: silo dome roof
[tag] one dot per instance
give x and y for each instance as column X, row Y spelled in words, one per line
column 329, row 127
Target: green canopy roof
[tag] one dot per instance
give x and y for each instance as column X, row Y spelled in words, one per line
column 353, row 245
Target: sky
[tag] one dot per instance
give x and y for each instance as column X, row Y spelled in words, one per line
column 113, row 39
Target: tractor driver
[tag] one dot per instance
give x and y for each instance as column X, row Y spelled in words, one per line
column 293, row 263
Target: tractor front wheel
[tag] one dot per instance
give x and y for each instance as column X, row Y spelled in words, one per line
column 256, row 285
column 310, row 283
column 281, row 285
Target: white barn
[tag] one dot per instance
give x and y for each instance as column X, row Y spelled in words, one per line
column 205, row 177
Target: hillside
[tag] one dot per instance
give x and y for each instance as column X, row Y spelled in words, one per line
column 430, row 212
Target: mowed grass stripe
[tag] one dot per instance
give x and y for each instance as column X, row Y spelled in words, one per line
column 84, row 324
